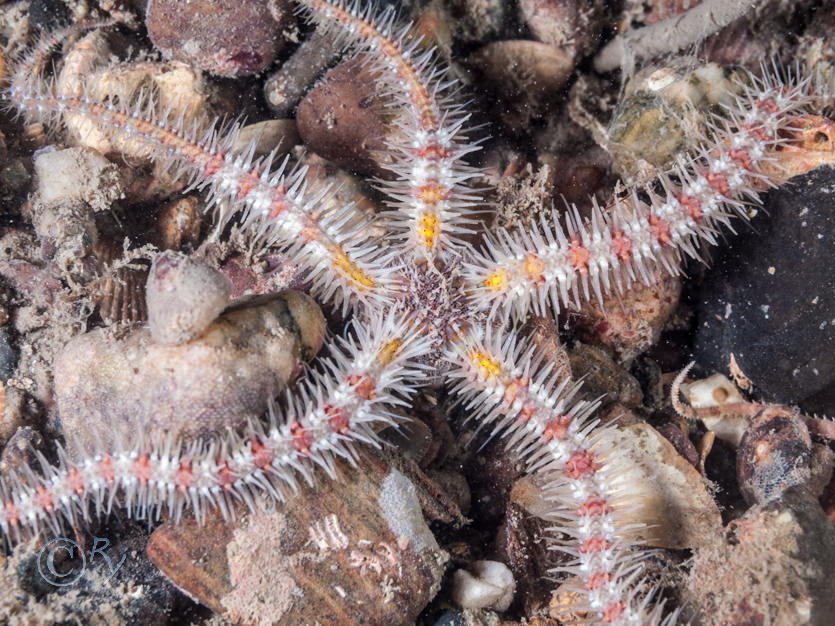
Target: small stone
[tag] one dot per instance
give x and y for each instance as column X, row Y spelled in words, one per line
column 528, row 75
column 602, row 376
column 779, row 326
column 270, row 135
column 226, row 37
column 8, row 356
column 485, row 585
column 110, row 385
column 342, row 120
column 184, row 296
column 775, row 453
column 630, row 323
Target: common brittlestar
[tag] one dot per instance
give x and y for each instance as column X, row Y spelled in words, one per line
column 440, row 295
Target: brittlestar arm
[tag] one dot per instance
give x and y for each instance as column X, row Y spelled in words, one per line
column 432, row 201
column 333, row 412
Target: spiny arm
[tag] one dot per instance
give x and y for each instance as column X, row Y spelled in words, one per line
column 510, row 387
column 278, row 207
column 431, row 198
column 550, row 267
column 335, row 410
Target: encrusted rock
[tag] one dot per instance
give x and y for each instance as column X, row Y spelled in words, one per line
column 225, row 37
column 631, row 322
column 773, row 566
column 113, row 384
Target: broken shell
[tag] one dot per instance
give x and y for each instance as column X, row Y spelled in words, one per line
column 775, row 453
column 716, row 391
column 184, row 296
column 109, row 385
column 484, row 585
column 671, row 502
column 119, row 294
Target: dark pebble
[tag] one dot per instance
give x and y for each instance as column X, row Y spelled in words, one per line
column 8, row 356
column 225, row 37
column 771, row 300
column 48, row 15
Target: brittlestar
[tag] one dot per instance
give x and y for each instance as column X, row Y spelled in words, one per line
column 451, row 300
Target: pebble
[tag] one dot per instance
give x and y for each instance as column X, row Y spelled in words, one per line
column 108, row 383
column 285, row 88
column 184, row 296
column 771, row 300
column 350, row 552
column 630, row 323
column 225, row 37
column 77, row 174
column 342, row 118
column 8, row 356
column 527, row 75
column 601, row 376
column 484, row 585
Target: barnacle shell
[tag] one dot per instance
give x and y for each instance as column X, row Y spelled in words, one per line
column 661, row 113
column 108, row 383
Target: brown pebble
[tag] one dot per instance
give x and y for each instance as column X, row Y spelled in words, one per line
column 602, row 376
column 774, row 454
column 342, row 119
column 226, row 37
column 681, row 443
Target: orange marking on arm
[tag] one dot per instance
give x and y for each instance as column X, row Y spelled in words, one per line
column 364, row 386
column 579, row 256
column 580, row 464
column 535, row 268
column 142, row 468
column 302, row 439
column 621, row 245
column 556, row 428
column 44, row 499
column 660, row 229
column 692, row 206
column 496, row 281
column 262, row 455
column 184, row 477
column 719, row 182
